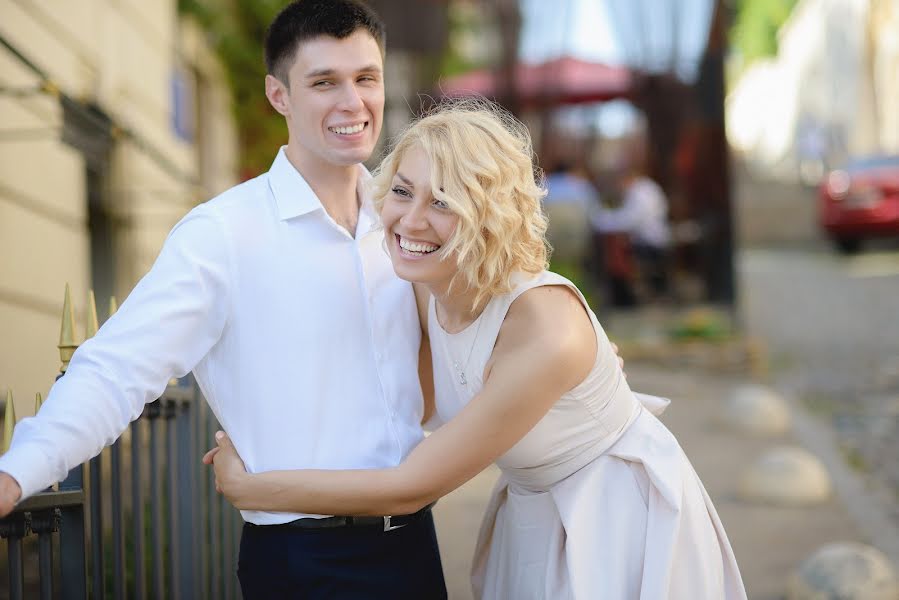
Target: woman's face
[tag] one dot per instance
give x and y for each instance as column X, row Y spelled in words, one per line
column 416, row 224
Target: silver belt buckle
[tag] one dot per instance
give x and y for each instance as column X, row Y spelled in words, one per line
column 389, row 527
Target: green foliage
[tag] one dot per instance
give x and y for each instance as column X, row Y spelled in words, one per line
column 701, row 324
column 236, row 30
column 465, row 22
column 756, row 23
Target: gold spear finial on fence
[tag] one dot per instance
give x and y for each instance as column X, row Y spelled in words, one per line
column 113, row 306
column 67, row 345
column 38, row 400
column 91, row 324
column 9, row 420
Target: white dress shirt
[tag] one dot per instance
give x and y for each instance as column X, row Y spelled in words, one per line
column 302, row 338
column 643, row 214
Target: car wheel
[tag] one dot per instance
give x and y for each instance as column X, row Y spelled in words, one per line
column 848, row 245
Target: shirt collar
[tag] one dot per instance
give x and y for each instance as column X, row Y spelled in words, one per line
column 295, row 197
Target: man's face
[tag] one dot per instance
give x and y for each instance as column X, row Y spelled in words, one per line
column 335, row 103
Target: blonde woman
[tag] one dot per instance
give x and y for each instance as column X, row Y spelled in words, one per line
column 596, row 498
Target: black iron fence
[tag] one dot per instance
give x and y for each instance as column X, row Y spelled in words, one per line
column 140, row 520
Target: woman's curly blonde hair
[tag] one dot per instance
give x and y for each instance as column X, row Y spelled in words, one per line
column 482, row 166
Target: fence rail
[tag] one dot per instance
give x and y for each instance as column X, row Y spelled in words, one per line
column 140, row 520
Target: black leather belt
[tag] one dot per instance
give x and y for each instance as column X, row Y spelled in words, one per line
column 387, row 523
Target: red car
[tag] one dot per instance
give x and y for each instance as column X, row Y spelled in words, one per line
column 861, row 201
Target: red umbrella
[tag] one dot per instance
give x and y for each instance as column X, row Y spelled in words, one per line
column 563, row 80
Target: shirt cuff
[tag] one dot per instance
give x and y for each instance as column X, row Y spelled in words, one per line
column 29, row 466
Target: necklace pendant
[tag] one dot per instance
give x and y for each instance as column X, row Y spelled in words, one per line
column 459, row 370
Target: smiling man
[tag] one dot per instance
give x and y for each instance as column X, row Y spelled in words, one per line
column 279, row 296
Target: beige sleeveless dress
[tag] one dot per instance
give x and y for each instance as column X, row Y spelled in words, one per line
column 597, row 501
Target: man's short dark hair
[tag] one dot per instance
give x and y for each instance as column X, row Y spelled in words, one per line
column 303, row 20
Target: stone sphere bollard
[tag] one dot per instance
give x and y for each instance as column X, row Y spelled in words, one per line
column 787, row 476
column 757, row 410
column 847, row 571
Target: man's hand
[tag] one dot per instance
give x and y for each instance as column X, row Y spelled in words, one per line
column 10, row 493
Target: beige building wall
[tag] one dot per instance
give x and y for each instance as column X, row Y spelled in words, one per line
column 884, row 60
column 119, row 55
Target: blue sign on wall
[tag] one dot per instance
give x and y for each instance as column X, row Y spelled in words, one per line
column 183, row 105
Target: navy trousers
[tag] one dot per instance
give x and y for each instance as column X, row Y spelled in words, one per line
column 346, row 563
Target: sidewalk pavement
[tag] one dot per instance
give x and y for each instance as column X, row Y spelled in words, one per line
column 769, row 541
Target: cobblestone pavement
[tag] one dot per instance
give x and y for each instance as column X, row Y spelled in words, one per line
column 769, row 541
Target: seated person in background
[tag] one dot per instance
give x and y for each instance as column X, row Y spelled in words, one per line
column 643, row 216
column 570, row 199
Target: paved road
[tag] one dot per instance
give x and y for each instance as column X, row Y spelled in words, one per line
column 833, row 317
column 832, row 325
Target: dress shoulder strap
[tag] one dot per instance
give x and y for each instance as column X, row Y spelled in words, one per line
column 496, row 310
column 523, row 283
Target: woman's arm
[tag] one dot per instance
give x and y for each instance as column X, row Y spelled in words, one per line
column 546, row 346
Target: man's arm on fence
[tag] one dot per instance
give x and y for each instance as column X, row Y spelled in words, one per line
column 167, row 324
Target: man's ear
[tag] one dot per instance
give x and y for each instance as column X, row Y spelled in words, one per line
column 277, row 94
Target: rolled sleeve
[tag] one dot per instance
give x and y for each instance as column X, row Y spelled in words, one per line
column 168, row 323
